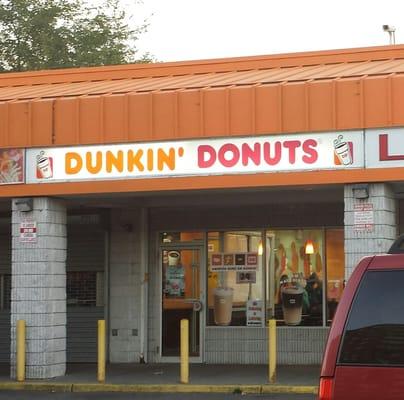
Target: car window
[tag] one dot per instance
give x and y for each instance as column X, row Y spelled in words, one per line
column 374, row 332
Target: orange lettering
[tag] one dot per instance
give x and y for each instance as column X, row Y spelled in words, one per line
column 115, row 161
column 98, row 162
column 164, row 158
column 134, row 159
column 150, row 160
column 73, row 163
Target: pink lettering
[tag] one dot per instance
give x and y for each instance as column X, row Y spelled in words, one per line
column 309, row 147
column 292, row 145
column 234, row 155
column 251, row 154
column 275, row 158
column 206, row 156
column 229, row 154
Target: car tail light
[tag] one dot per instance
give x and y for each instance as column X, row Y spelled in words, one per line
column 325, row 389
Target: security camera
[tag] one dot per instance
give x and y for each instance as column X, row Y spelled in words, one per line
column 388, row 28
column 24, row 204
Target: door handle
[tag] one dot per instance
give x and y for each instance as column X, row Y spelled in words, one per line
column 196, row 304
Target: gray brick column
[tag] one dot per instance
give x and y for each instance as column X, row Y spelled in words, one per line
column 377, row 238
column 125, row 287
column 38, row 293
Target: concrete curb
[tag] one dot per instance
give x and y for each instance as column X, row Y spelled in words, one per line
column 297, row 389
column 163, row 388
column 36, row 386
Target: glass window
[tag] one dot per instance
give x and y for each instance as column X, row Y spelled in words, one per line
column 295, row 270
column 235, row 278
column 85, row 288
column 173, row 237
column 295, row 275
column 335, row 257
column 374, row 333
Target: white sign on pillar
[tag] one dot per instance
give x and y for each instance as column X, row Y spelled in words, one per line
column 363, row 217
column 28, row 231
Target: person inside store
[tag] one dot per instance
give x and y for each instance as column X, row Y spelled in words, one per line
column 315, row 294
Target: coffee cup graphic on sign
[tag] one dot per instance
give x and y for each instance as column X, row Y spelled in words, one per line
column 173, row 257
column 44, row 166
column 343, row 151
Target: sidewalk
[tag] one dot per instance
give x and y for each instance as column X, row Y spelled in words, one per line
column 166, row 378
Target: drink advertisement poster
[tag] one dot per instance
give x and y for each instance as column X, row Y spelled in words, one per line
column 175, row 274
column 11, row 166
column 175, row 282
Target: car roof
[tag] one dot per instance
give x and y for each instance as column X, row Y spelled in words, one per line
column 393, row 259
column 387, row 261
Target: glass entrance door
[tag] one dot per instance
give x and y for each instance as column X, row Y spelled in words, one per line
column 181, row 299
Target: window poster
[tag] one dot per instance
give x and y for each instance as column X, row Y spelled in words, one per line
column 175, row 275
column 255, row 312
column 11, row 166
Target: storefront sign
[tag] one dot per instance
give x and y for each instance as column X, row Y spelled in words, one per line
column 363, row 217
column 255, row 312
column 234, row 262
column 385, row 148
column 28, row 232
column 11, row 166
column 275, row 153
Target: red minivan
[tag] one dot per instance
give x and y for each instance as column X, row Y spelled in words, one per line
column 364, row 354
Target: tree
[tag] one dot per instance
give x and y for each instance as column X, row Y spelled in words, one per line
column 43, row 34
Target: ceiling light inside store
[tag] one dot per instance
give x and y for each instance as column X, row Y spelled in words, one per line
column 260, row 248
column 309, row 248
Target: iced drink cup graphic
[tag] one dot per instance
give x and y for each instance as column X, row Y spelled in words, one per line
column 292, row 303
column 44, row 168
column 223, row 305
column 343, row 151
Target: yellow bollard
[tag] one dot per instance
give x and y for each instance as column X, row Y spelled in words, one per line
column 101, row 351
column 20, row 350
column 184, row 351
column 272, row 350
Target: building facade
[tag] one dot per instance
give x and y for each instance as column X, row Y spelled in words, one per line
column 144, row 194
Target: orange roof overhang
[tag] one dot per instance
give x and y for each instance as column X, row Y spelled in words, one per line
column 317, row 91
column 305, row 92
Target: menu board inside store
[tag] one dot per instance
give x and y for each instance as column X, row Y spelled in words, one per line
column 234, row 261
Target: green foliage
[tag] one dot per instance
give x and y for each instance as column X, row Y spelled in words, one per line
column 43, row 34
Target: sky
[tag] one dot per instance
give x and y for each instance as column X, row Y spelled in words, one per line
column 182, row 30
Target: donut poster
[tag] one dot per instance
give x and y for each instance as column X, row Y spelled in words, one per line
column 11, row 166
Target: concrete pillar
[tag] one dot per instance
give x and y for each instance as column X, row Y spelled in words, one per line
column 376, row 238
column 125, row 286
column 38, row 293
